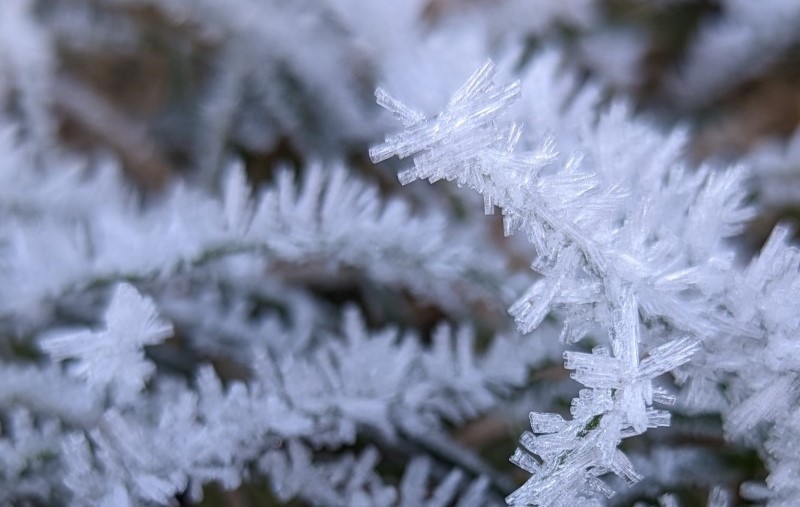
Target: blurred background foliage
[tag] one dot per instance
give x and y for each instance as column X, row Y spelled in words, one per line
column 156, row 69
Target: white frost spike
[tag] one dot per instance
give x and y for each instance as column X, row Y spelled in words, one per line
column 755, row 491
column 660, row 395
column 465, row 129
column 113, row 357
column 623, row 467
column 764, row 405
column 719, row 497
column 625, row 336
column 668, row 500
column 403, row 113
column 667, row 357
column 237, row 205
column 413, row 486
column 609, row 257
column 525, row 461
column 546, row 423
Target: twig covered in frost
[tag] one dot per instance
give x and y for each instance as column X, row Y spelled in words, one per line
column 56, row 243
column 156, row 436
column 608, row 258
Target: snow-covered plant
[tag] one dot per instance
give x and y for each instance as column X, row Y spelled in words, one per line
column 636, row 251
column 143, row 435
column 147, row 448
column 207, row 290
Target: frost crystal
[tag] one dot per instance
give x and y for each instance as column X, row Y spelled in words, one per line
column 113, row 357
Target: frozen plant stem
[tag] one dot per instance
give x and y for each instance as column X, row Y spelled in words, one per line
column 596, row 266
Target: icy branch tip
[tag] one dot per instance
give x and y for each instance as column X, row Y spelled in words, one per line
column 470, row 110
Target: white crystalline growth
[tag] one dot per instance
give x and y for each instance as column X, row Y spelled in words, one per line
column 113, row 357
column 595, row 249
column 565, row 458
column 458, row 136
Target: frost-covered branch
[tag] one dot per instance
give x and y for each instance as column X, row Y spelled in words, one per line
column 158, row 436
column 56, row 243
column 611, row 257
column 249, row 325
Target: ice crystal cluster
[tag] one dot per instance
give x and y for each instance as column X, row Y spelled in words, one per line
column 210, row 296
column 631, row 245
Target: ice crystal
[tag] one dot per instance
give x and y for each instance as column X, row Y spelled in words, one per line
column 114, row 356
